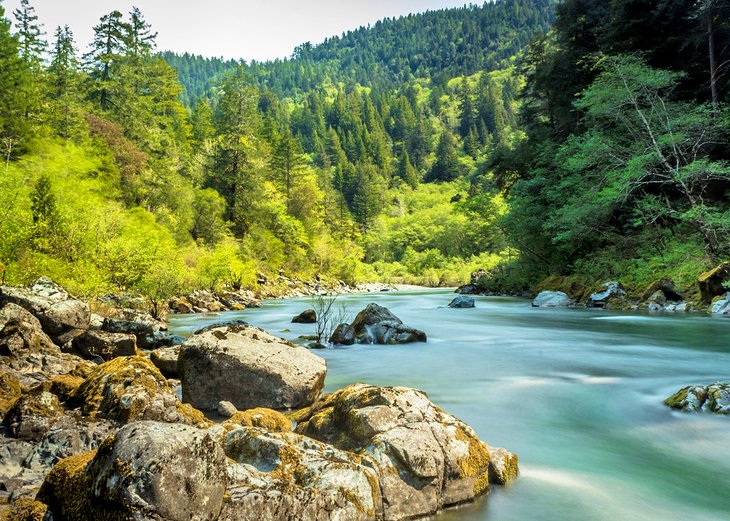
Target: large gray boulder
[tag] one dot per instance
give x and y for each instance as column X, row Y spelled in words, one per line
column 552, row 299
column 376, row 325
column 275, row 476
column 51, row 305
column 425, row 459
column 714, row 398
column 249, row 368
column 147, row 470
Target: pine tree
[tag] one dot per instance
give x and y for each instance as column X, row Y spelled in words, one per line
column 287, row 162
column 63, row 83
column 407, row 171
column 30, row 35
column 447, row 166
column 13, row 73
column 467, row 118
column 105, row 56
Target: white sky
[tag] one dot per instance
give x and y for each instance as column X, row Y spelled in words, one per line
column 261, row 30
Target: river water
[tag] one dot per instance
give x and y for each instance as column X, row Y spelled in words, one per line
column 576, row 393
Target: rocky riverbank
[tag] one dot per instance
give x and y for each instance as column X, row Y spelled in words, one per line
column 710, row 293
column 93, row 429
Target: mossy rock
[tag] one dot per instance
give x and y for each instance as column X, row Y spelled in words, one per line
column 267, row 419
column 576, row 287
column 64, row 386
column 26, row 509
column 67, row 490
column 711, row 283
column 32, row 414
column 9, row 391
column 127, row 389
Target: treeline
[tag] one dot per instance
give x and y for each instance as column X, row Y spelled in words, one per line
column 436, row 46
column 110, row 183
column 624, row 170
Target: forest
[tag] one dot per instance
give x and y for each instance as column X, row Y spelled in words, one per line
column 527, row 138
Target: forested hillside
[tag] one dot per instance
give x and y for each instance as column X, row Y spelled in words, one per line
column 417, row 150
column 110, row 183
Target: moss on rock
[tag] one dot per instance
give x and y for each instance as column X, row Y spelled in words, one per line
column 9, row 391
column 267, row 419
column 26, row 509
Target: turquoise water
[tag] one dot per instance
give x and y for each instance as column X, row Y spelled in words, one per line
column 576, row 393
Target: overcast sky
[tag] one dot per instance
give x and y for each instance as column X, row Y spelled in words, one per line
column 261, row 29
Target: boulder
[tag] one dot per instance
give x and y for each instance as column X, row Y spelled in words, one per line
column 308, row 316
column 712, row 283
column 105, row 345
column 165, row 359
column 377, row 325
column 610, row 290
column 274, row 476
column 462, row 302
column 552, row 299
column 21, row 332
column 51, row 305
column 226, row 409
column 147, row 470
column 150, row 333
column 128, row 389
column 27, row 509
column 721, row 306
column 32, row 415
column 425, row 459
column 666, row 288
column 236, row 323
column 713, row 398
column 249, row 368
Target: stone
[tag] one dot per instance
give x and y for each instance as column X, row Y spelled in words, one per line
column 552, row 299
column 249, row 368
column 147, row 470
column 150, row 333
column 308, row 316
column 712, row 283
column 51, row 305
column 226, row 409
column 128, row 389
column 32, row 415
column 666, row 287
column 165, row 359
column 274, row 476
column 714, row 398
column 343, row 335
column 425, row 459
column 462, row 302
column 610, row 290
column 22, row 334
column 222, row 324
column 721, row 306
column 93, row 344
column 181, row 306
column 377, row 325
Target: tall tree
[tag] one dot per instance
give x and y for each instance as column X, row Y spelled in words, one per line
column 63, row 82
column 13, row 72
column 287, row 162
column 105, row 55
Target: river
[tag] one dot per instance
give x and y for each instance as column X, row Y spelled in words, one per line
column 576, row 393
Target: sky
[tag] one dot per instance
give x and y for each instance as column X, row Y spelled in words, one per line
column 260, row 29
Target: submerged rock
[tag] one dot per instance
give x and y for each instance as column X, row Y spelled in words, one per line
column 249, row 368
column 425, row 459
column 462, row 302
column 376, row 325
column 308, row 316
column 713, row 398
column 552, row 299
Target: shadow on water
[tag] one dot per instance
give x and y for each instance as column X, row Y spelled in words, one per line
column 576, row 393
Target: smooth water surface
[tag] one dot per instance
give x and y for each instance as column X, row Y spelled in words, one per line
column 576, row 393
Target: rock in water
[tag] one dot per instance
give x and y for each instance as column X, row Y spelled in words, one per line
column 376, row 325
column 308, row 316
column 425, row 458
column 249, row 368
column 610, row 290
column 721, row 306
column 462, row 302
column 713, row 398
column 552, row 299
column 147, row 470
column 276, row 476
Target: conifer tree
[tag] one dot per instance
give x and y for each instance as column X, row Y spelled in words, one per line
column 105, row 55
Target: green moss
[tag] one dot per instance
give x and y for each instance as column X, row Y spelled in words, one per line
column 9, row 391
column 26, row 509
column 67, row 491
column 576, row 287
column 476, row 463
column 267, row 419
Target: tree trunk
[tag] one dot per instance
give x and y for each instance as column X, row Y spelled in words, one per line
column 713, row 60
